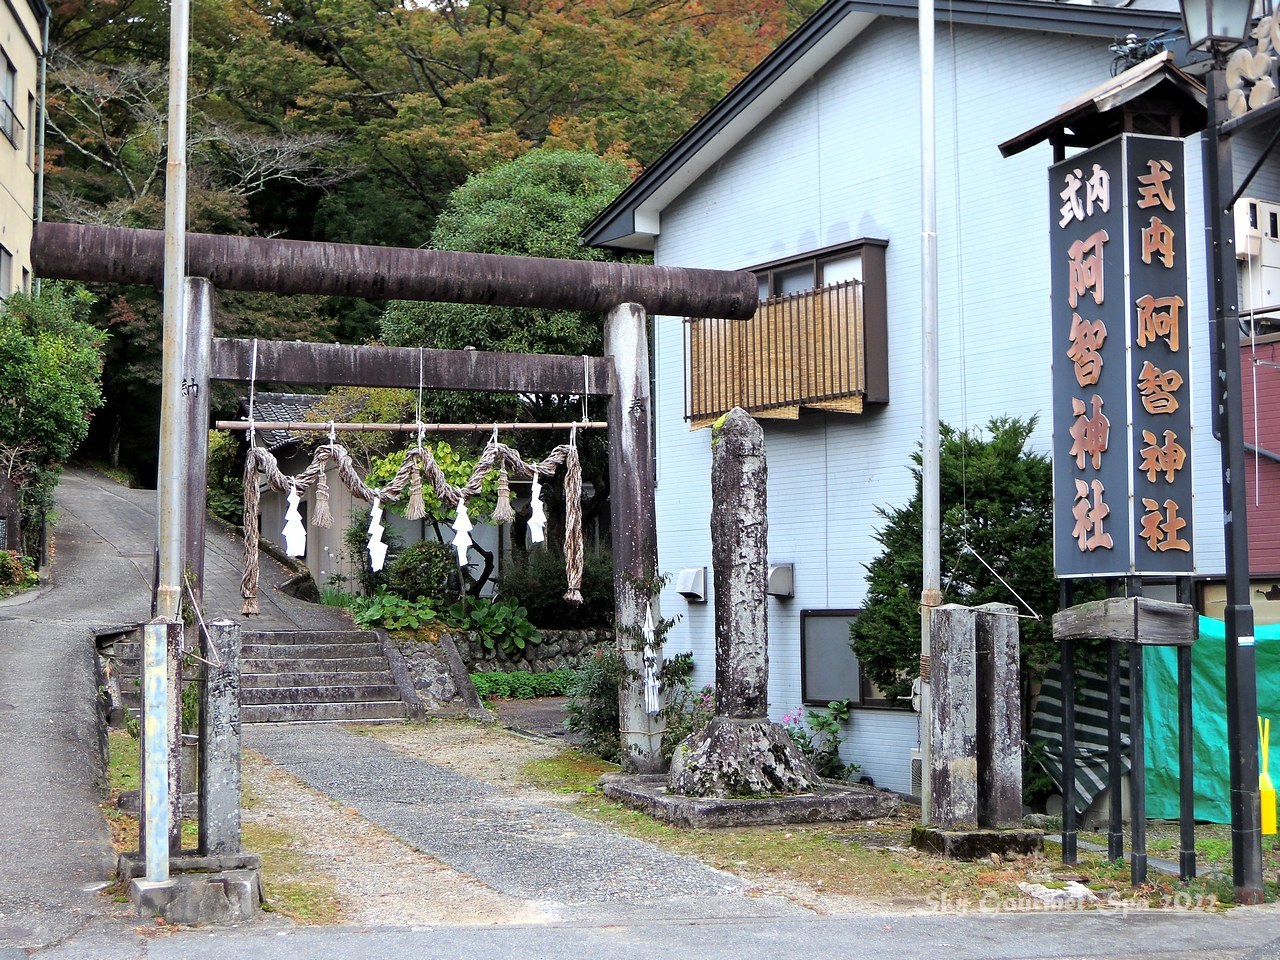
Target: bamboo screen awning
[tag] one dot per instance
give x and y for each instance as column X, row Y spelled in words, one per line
column 804, row 350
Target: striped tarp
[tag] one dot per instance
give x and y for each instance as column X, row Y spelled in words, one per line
column 1091, row 730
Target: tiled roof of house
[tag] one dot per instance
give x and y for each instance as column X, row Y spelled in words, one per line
column 278, row 408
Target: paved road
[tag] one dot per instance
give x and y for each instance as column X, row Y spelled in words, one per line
column 56, row 848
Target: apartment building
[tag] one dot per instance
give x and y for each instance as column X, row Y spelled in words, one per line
column 23, row 28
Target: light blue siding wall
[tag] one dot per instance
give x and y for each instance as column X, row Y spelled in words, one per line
column 838, row 161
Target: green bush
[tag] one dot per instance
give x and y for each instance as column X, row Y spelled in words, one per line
column 684, row 709
column 225, row 494
column 524, row 686
column 503, row 624
column 593, row 709
column 355, row 541
column 818, row 736
column 423, row 570
column 537, row 581
column 15, row 569
column 392, row 611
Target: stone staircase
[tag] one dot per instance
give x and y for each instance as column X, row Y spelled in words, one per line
column 293, row 676
column 317, row 676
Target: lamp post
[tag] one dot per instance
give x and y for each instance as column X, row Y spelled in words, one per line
column 1219, row 27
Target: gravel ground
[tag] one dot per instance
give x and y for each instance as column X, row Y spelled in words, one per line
column 379, row 879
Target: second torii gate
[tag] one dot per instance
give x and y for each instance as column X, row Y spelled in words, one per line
column 623, row 291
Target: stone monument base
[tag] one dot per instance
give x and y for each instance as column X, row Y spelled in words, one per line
column 200, row 890
column 828, row 803
column 740, row 758
column 977, row 844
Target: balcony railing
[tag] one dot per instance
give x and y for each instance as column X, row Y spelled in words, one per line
column 804, row 350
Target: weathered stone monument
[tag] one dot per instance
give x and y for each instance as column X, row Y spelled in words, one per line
column 975, row 736
column 740, row 752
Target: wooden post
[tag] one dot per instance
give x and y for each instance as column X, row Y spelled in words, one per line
column 635, row 530
column 196, row 346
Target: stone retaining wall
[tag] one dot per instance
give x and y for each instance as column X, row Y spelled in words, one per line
column 559, row 648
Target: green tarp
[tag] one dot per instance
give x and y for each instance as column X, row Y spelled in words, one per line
column 1209, row 705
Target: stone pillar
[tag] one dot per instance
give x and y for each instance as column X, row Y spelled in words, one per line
column 635, row 528
column 740, row 566
column 953, row 732
column 197, row 345
column 220, row 741
column 999, row 704
column 740, row 752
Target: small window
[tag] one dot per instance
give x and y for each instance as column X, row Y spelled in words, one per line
column 829, row 669
column 6, row 272
column 10, row 125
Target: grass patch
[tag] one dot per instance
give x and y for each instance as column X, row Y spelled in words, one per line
column 569, row 771
column 289, row 886
column 871, row 861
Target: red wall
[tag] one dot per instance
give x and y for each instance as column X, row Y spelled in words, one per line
column 1261, row 402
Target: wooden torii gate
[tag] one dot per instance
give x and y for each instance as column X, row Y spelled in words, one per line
column 623, row 291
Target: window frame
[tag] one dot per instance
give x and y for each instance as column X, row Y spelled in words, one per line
column 867, row 695
column 816, row 259
column 10, row 123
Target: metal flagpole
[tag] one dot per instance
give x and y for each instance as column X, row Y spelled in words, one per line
column 931, row 595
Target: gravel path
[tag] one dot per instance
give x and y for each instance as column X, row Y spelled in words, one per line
column 516, row 855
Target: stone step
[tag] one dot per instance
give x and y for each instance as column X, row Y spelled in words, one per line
column 384, row 711
column 333, row 676
column 328, row 665
column 309, row 636
column 310, row 651
column 345, row 693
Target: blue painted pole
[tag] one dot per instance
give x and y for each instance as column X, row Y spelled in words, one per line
column 155, row 749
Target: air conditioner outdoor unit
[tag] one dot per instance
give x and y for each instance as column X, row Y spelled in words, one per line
column 917, row 772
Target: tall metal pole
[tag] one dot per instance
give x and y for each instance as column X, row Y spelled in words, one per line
column 931, row 595
column 172, row 449
column 1241, row 662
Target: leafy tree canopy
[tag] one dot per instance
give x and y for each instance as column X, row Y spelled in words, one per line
column 50, row 365
column 997, row 507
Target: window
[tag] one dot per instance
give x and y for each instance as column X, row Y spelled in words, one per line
column 6, row 273
column 10, row 125
column 829, row 669
column 817, row 341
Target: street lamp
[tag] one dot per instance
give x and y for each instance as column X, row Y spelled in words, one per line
column 1219, row 27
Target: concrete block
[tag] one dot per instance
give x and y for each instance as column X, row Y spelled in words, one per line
column 228, row 897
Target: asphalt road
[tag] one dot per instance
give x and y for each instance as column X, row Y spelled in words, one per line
column 55, row 846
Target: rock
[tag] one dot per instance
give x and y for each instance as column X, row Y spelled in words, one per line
column 1073, row 894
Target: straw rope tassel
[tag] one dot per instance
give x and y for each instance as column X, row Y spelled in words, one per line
column 573, row 525
column 417, row 508
column 249, row 580
column 322, row 516
column 502, row 512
